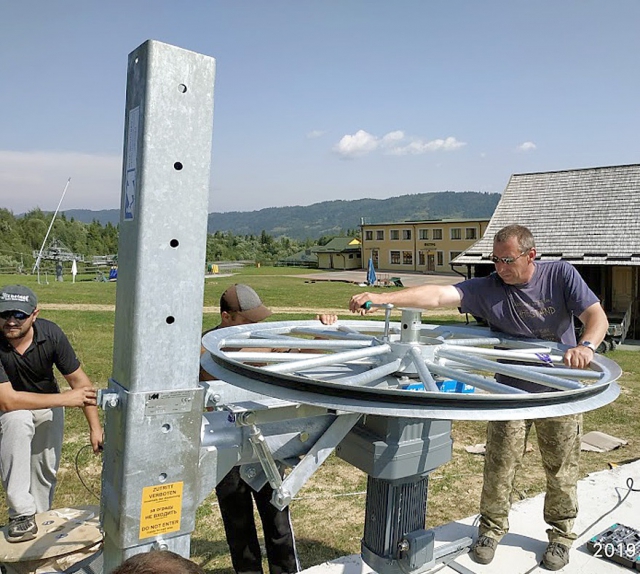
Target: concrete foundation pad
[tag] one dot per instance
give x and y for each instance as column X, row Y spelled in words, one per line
column 605, row 499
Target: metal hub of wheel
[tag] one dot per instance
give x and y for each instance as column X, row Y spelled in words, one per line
column 375, row 367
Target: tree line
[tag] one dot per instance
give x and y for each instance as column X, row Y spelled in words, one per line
column 21, row 235
column 263, row 248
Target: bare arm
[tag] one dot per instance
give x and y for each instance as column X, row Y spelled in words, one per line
column 79, row 382
column 12, row 400
column 595, row 328
column 423, row 297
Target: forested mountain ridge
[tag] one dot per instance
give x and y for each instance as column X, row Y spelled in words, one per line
column 267, row 235
column 334, row 217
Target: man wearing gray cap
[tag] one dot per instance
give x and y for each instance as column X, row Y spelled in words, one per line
column 32, row 407
column 241, row 305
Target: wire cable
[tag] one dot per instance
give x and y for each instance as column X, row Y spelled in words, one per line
column 629, row 484
column 89, row 490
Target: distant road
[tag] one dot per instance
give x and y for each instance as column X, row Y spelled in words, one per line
column 360, row 276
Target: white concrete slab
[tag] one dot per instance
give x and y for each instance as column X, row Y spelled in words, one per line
column 604, row 499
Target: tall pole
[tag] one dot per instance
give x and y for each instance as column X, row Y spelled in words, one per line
column 150, row 484
column 36, row 265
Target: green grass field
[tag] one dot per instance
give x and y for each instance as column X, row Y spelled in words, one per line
column 334, row 496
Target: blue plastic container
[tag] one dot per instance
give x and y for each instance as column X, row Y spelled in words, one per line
column 448, row 386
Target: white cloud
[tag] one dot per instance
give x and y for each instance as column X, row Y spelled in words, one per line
column 316, row 134
column 527, row 146
column 393, row 143
column 419, row 146
column 360, row 143
column 36, row 179
column 392, row 138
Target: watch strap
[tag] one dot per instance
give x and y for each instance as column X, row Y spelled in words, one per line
column 588, row 344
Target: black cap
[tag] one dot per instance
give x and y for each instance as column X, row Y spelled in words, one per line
column 17, row 298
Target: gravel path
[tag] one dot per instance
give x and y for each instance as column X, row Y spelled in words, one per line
column 279, row 310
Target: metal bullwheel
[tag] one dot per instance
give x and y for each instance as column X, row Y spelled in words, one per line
column 375, row 367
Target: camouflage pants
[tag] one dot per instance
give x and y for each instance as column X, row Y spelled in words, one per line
column 559, row 443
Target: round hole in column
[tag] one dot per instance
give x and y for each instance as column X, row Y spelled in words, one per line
column 177, row 166
column 162, row 477
column 182, row 88
column 166, row 427
column 174, row 243
column 170, row 320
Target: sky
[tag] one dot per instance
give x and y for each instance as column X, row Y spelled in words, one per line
column 321, row 100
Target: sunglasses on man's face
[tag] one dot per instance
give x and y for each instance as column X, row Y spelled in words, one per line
column 506, row 260
column 17, row 315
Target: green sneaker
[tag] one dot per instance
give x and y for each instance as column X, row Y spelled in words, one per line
column 22, row 528
column 484, row 549
column 556, row 556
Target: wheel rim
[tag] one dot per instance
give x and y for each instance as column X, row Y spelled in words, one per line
column 354, row 366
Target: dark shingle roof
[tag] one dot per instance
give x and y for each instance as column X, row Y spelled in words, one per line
column 587, row 216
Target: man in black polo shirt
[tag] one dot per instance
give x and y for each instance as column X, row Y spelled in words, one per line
column 32, row 407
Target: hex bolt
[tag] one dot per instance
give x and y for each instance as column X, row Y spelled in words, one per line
column 247, row 418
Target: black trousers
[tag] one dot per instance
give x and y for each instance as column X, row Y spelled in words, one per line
column 236, row 506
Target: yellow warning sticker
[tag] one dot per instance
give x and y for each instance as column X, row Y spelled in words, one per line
column 161, row 509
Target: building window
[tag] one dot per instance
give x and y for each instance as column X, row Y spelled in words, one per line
column 374, row 256
column 380, row 235
column 394, row 234
column 368, row 235
column 407, row 257
column 406, row 234
column 471, row 233
column 440, row 255
column 395, row 258
column 421, row 259
column 424, row 233
column 456, row 233
column 453, row 255
column 437, row 234
column 350, row 255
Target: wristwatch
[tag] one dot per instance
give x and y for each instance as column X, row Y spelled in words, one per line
column 588, row 344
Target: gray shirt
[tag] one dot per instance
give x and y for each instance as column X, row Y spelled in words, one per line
column 543, row 308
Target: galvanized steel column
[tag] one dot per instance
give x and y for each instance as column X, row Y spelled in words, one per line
column 149, row 492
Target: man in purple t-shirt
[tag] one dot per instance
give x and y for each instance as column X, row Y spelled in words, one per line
column 523, row 298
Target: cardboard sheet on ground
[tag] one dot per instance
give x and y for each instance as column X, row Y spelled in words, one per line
column 594, row 441
column 597, row 441
column 65, row 536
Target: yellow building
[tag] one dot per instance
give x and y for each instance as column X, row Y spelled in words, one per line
column 424, row 246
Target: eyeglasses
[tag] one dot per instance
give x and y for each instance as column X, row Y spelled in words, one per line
column 506, row 260
column 17, row 315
